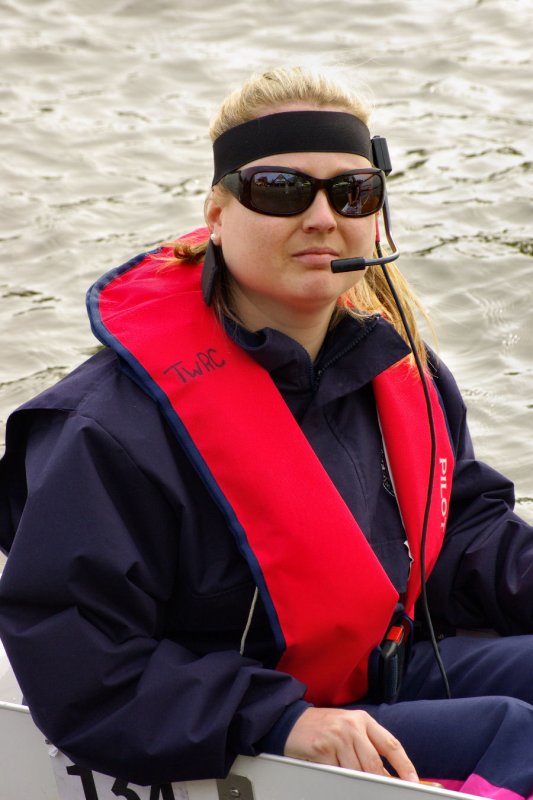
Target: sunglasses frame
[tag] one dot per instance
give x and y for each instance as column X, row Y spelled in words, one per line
column 239, row 184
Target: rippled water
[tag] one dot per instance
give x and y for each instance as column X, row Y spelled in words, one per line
column 104, row 108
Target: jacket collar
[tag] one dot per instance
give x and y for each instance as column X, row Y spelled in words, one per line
column 353, row 353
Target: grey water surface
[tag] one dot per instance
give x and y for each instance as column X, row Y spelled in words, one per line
column 104, row 108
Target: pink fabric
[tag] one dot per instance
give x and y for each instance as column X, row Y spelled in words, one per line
column 475, row 784
column 453, row 786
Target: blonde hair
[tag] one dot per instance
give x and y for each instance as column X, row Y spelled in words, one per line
column 263, row 93
column 276, row 87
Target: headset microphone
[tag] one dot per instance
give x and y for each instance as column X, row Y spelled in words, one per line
column 381, row 159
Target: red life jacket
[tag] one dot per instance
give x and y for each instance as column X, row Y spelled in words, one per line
column 328, row 598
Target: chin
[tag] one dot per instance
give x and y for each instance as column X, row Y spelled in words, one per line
column 315, row 299
column 326, row 285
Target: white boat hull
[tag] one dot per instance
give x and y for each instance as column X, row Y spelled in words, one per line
column 30, row 769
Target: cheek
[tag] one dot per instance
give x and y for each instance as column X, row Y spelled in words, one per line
column 248, row 237
column 363, row 236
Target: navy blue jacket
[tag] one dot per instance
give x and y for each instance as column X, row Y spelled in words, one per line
column 124, row 599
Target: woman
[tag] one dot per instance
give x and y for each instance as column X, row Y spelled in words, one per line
column 215, row 523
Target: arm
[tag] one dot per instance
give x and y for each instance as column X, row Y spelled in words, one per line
column 484, row 576
column 83, row 603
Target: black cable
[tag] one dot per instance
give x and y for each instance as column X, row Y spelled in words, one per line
column 431, row 477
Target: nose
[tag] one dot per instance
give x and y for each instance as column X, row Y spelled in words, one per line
column 320, row 215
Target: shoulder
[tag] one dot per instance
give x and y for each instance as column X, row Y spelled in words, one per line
column 84, row 388
column 98, row 389
column 453, row 405
column 97, row 396
column 94, row 424
column 446, row 384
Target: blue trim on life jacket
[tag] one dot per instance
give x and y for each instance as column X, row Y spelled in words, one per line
column 153, row 390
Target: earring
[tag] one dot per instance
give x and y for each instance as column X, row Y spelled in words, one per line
column 213, row 264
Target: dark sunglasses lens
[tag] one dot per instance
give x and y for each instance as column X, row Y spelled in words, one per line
column 357, row 195
column 280, row 193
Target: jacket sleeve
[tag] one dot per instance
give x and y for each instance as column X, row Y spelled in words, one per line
column 83, row 599
column 484, row 575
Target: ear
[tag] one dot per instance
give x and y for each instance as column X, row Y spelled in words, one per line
column 213, row 215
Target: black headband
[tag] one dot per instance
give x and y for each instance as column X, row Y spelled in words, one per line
column 290, row 132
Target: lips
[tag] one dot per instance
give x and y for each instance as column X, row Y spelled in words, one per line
column 317, row 251
column 317, row 257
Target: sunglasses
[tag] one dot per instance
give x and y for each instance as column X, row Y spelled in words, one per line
column 283, row 192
